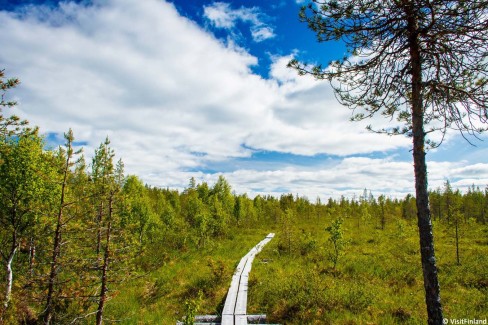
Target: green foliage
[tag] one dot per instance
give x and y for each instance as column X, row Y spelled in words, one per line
column 379, row 281
column 191, row 307
column 159, row 235
column 287, row 230
column 6, row 84
column 336, row 238
column 107, row 244
column 12, row 125
column 375, row 76
column 419, row 64
column 308, row 244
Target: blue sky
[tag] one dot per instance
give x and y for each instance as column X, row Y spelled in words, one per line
column 200, row 89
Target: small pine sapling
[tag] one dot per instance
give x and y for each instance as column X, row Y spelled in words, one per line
column 339, row 243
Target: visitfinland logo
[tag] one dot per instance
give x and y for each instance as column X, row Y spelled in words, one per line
column 464, row 321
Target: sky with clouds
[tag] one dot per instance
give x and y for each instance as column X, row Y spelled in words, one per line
column 201, row 89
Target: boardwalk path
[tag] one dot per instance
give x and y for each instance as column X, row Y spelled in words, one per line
column 234, row 312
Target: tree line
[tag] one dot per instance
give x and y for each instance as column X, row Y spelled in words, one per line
column 72, row 232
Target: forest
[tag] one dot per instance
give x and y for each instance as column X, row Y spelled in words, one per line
column 82, row 242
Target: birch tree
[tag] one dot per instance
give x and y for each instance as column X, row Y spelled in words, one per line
column 21, row 190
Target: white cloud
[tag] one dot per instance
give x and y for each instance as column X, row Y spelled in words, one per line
column 261, row 33
column 221, row 15
column 350, row 176
column 172, row 98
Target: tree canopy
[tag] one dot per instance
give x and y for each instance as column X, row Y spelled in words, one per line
column 376, row 74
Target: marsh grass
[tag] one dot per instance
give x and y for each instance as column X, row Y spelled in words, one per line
column 378, row 280
column 159, row 296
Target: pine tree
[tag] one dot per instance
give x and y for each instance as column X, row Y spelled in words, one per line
column 66, row 155
column 421, row 63
column 382, row 205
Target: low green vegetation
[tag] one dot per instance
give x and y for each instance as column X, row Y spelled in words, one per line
column 378, row 280
column 84, row 243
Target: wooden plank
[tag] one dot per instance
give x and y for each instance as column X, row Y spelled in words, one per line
column 217, row 320
column 240, row 320
column 208, row 319
column 201, row 323
column 227, row 320
column 235, row 307
column 241, row 265
column 241, row 301
column 256, row 319
column 230, row 304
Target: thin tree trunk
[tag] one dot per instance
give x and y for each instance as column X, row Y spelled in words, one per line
column 484, row 208
column 104, row 289
column 56, row 249
column 457, row 241
column 53, row 272
column 9, row 275
column 448, row 207
column 383, row 217
column 9, row 278
column 439, row 209
column 99, row 231
column 32, row 256
column 429, row 268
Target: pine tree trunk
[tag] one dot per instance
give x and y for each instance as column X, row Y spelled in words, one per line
column 56, row 248
column 439, row 209
column 99, row 231
column 448, row 207
column 104, row 289
column 429, row 268
column 457, row 241
column 383, row 217
column 54, row 267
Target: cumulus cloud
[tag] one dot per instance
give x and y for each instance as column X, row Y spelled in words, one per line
column 221, row 15
column 173, row 99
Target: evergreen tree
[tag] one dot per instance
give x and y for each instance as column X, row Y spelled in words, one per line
column 336, row 238
column 9, row 126
column 435, row 200
column 421, row 63
column 66, row 199
column 383, row 207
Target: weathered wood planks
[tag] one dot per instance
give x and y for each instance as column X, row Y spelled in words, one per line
column 235, row 307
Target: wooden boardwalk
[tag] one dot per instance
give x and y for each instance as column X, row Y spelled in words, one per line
column 235, row 307
column 234, row 312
